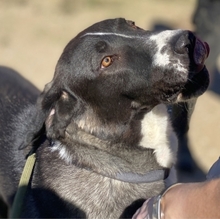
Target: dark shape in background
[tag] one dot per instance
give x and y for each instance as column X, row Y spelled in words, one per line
column 207, row 23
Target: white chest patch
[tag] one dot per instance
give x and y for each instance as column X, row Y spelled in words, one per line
column 158, row 134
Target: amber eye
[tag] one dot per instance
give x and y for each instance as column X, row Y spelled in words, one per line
column 106, row 62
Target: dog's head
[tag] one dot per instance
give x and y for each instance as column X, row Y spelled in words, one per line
column 114, row 71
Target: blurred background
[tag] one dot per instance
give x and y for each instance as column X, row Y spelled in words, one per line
column 34, row 33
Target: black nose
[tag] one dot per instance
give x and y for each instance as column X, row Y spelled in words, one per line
column 197, row 51
column 185, row 43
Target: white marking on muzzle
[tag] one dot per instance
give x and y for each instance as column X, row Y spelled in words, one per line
column 163, row 60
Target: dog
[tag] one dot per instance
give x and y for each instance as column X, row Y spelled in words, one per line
column 16, row 94
column 102, row 128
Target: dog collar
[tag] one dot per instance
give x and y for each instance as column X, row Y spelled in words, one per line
column 128, row 177
column 151, row 176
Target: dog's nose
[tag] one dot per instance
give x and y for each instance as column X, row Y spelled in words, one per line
column 184, row 42
column 188, row 43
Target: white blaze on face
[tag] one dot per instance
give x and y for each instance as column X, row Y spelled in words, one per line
column 158, row 134
column 113, row 34
column 166, row 57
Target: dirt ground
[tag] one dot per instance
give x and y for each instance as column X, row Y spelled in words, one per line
column 34, row 33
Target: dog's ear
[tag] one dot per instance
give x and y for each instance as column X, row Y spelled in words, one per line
column 60, row 115
column 52, row 114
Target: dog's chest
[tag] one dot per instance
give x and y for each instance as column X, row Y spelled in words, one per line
column 91, row 193
column 157, row 134
column 99, row 197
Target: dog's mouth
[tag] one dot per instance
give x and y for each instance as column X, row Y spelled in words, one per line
column 195, row 86
column 198, row 77
column 200, row 53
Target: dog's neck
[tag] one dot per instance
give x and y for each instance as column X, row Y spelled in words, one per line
column 90, row 123
column 127, row 175
column 114, row 157
column 117, row 161
column 152, row 130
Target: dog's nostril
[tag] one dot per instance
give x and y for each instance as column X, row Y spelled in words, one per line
column 184, row 43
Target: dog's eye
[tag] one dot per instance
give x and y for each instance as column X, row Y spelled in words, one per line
column 107, row 61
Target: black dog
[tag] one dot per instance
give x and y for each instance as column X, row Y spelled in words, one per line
column 16, row 94
column 105, row 137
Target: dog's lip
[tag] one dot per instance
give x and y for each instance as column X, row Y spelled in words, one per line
column 200, row 53
column 174, row 97
column 196, row 85
column 191, row 85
